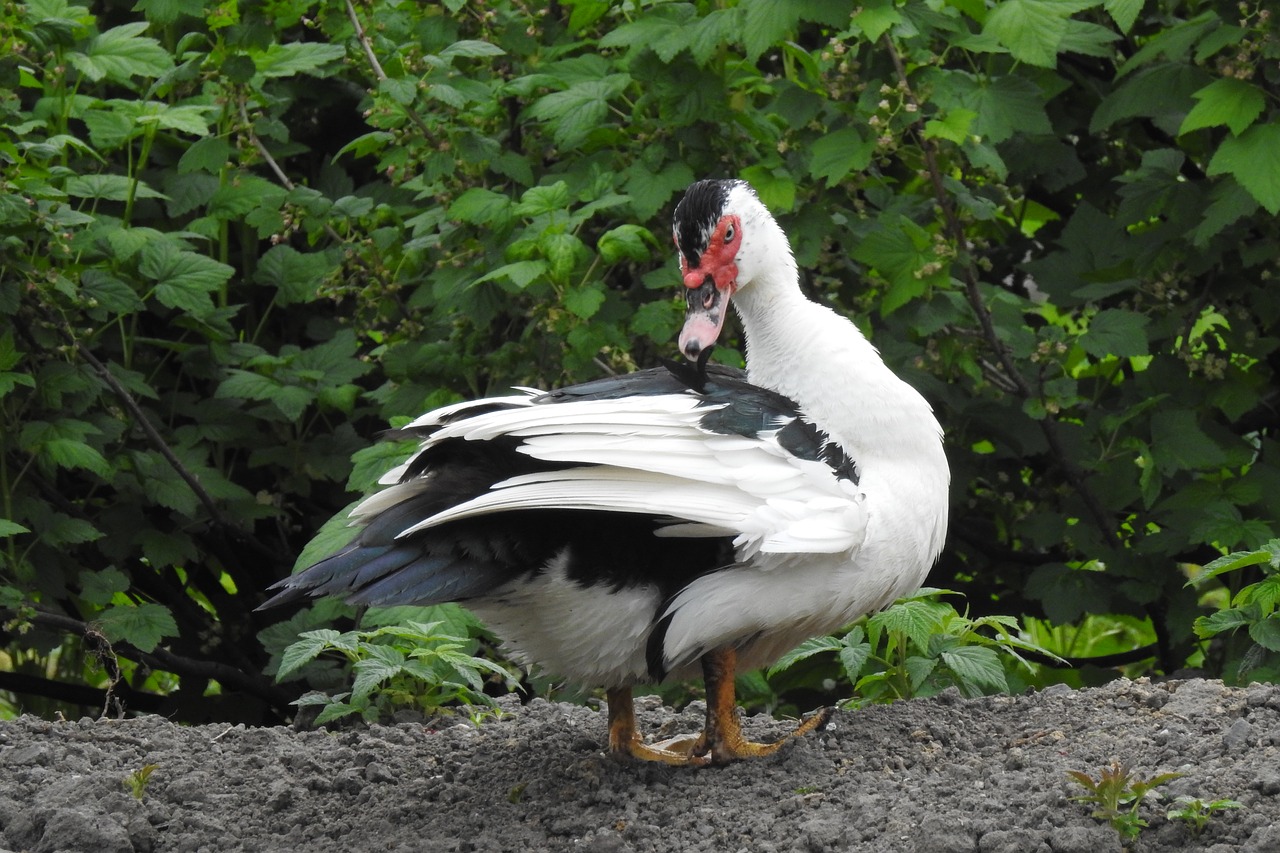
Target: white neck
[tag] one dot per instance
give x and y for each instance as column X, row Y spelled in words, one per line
column 824, row 363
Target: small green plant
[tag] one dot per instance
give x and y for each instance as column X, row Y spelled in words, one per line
column 919, row 646
column 1253, row 608
column 136, row 782
column 1196, row 813
column 413, row 665
column 1117, row 794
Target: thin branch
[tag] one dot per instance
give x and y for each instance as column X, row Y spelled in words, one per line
column 163, row 659
column 997, row 377
column 144, row 423
column 364, row 42
column 973, row 294
column 266, row 156
column 367, row 46
column 329, row 230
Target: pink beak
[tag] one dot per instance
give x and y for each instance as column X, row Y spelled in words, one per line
column 704, row 318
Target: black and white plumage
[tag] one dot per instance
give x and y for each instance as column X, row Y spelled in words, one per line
column 629, row 529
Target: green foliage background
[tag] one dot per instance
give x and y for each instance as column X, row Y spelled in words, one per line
column 237, row 240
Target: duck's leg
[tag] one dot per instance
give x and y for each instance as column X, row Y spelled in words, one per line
column 625, row 741
column 723, row 737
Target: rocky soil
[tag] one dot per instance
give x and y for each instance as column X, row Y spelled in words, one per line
column 941, row 775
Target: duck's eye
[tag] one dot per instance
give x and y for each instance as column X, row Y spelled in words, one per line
column 728, row 234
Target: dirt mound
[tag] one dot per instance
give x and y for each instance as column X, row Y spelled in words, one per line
column 938, row 775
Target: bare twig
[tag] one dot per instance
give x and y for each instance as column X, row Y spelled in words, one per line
column 329, row 230
column 266, row 155
column 144, row 423
column 973, row 294
column 96, row 642
column 163, row 659
column 364, row 42
column 367, row 47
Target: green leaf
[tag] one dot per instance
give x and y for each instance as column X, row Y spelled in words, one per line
column 290, row 400
column 189, row 118
column 1269, row 555
column 1032, row 30
column 304, row 651
column 807, row 649
column 1123, row 12
column 875, row 17
column 1160, row 93
column 585, row 301
column 626, row 242
column 295, row 275
column 1003, row 106
column 1178, row 443
column 286, row 60
column 481, row 206
column 98, row 588
column 1116, row 332
column 120, row 54
column 978, row 666
column 520, row 273
column 335, row 711
column 73, row 453
column 1265, row 593
column 707, row 35
column 1253, row 159
column 184, row 279
column 1174, row 43
column 472, row 49
column 774, row 186
column 916, row 619
column 650, row 190
column 370, row 463
column 562, row 251
column 954, row 126
column 578, row 110
column 899, row 251
column 546, row 199
column 165, row 12
column 109, row 187
column 11, row 528
column 1223, row 621
column 9, row 353
column 837, row 154
column 110, row 293
column 162, row 484
column 666, row 30
column 1228, row 101
column 1088, row 39
column 1229, row 203
column 918, row 670
column 381, row 663
column 142, row 626
column 855, row 654
column 766, row 23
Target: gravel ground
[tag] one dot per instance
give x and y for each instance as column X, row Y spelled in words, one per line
column 938, row 775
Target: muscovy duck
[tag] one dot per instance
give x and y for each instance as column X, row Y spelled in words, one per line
column 638, row 528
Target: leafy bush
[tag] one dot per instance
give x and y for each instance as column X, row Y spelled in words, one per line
column 414, row 665
column 236, row 240
column 1252, row 607
column 920, row 646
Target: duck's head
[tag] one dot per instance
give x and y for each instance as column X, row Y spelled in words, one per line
column 726, row 238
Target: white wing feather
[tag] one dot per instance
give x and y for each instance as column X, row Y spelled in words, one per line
column 650, row 455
